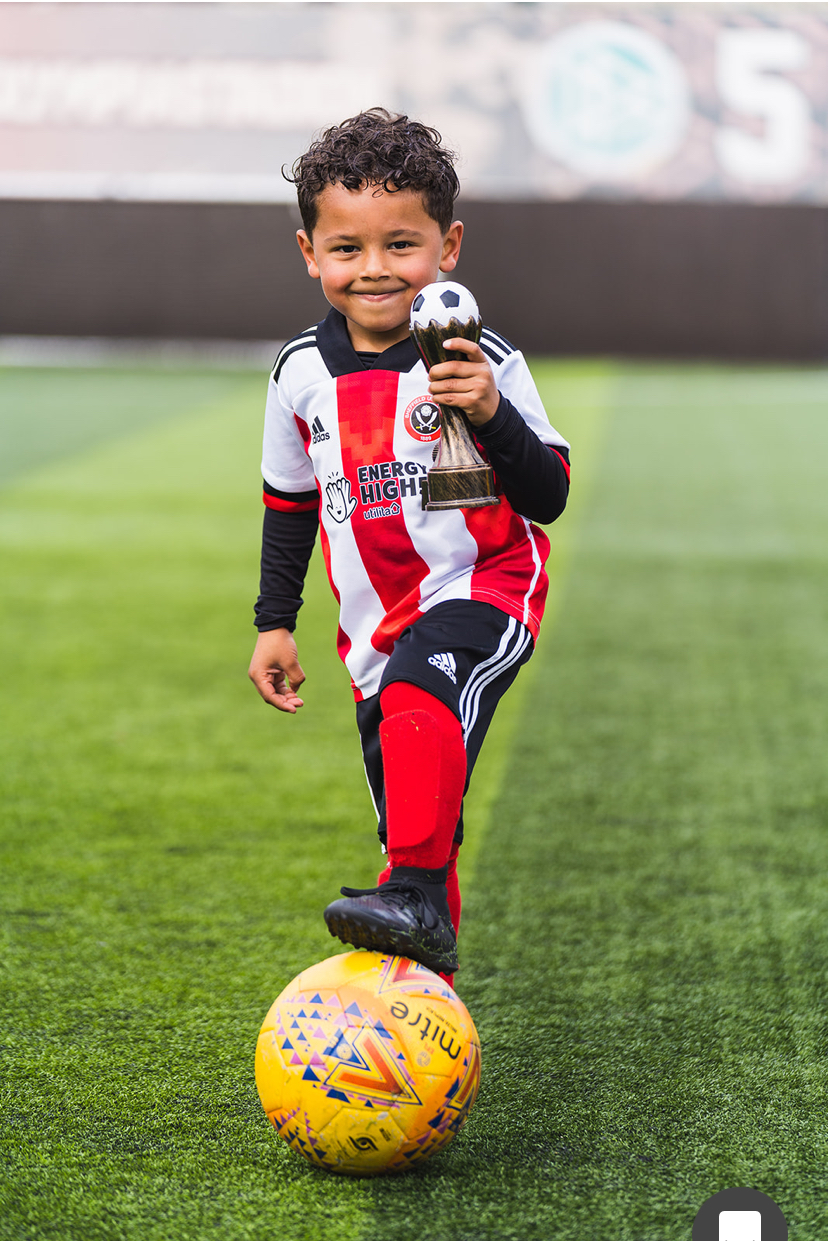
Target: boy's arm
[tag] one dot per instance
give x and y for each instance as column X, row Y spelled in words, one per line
column 288, row 537
column 287, row 543
column 534, row 475
column 291, row 520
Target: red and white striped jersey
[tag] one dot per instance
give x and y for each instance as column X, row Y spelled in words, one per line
column 364, row 438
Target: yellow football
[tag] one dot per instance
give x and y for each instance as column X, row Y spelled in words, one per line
column 367, row 1063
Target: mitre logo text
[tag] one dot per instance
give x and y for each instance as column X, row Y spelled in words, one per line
column 386, row 481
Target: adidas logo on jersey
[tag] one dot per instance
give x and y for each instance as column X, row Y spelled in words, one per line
column 446, row 663
column 318, row 432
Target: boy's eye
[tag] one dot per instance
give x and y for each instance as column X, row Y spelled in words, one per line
column 346, row 249
column 400, row 245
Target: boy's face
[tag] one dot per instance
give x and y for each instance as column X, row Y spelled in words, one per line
column 373, row 252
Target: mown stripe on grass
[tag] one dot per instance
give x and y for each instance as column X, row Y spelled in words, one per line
column 167, row 845
column 646, row 935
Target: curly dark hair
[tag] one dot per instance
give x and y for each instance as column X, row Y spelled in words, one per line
column 379, row 148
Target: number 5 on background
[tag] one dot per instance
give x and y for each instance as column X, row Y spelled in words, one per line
column 748, row 64
column 740, row 1226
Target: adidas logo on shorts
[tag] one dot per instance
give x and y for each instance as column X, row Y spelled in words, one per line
column 446, row 663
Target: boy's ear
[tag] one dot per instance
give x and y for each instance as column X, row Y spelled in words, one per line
column 451, row 247
column 306, row 246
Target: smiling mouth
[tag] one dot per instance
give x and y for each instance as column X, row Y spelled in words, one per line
column 377, row 294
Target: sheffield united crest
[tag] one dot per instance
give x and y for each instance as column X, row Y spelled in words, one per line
column 422, row 420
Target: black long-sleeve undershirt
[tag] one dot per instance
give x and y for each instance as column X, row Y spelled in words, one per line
column 287, row 544
column 532, row 476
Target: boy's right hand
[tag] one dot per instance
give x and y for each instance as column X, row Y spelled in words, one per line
column 275, row 671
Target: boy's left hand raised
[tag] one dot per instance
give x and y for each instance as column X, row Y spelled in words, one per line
column 469, row 385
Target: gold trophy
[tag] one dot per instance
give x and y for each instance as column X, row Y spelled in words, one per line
column 459, row 478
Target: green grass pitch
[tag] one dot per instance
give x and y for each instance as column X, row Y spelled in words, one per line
column 645, row 938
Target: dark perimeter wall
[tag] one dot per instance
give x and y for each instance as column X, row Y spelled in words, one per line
column 676, row 280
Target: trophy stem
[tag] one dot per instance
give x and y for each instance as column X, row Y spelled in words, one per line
column 459, row 478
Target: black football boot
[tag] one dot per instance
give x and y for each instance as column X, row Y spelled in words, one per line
column 408, row 916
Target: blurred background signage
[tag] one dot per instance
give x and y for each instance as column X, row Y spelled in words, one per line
column 206, row 102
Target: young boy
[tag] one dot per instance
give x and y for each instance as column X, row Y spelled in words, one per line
column 438, row 610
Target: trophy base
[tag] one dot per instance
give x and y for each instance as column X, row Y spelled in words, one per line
column 472, row 487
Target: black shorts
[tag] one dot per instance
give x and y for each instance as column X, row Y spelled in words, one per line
column 463, row 652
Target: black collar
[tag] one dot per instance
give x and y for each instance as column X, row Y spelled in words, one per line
column 341, row 358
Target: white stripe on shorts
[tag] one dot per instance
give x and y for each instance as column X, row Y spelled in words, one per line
column 510, row 649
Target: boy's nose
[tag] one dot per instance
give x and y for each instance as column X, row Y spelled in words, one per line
column 375, row 266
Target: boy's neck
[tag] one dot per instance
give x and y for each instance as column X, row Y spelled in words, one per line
column 371, row 342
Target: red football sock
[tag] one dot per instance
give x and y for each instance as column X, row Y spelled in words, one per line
column 424, row 767
column 384, row 875
column 455, row 902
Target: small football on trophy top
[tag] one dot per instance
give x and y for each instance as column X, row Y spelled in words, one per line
column 442, row 302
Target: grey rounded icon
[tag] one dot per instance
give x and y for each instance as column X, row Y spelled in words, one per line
column 706, row 1223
